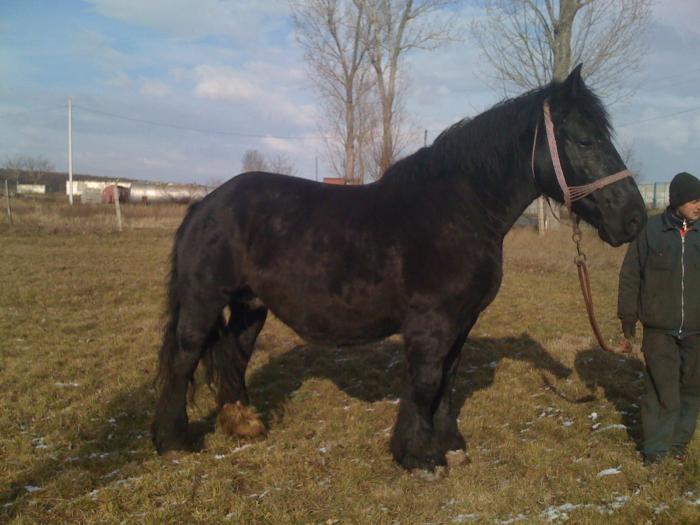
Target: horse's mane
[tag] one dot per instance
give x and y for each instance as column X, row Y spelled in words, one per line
column 483, row 143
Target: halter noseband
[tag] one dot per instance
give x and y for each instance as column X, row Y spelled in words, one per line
column 571, row 193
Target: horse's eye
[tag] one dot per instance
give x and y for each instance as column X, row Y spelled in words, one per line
column 584, row 143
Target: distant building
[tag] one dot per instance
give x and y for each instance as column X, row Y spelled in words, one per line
column 334, row 180
column 655, row 194
column 153, row 193
column 31, row 189
column 79, row 186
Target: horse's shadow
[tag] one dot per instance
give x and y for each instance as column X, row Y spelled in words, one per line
column 621, row 379
column 377, row 372
column 114, row 442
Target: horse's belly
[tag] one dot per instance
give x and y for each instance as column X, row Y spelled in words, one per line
column 331, row 319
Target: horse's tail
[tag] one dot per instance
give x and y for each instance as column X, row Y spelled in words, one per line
column 169, row 346
column 172, row 316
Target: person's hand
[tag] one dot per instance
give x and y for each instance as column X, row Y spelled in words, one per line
column 628, row 344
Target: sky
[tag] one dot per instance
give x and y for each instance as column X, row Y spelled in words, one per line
column 178, row 90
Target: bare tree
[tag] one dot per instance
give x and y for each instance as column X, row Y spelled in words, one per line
column 33, row 168
column 332, row 35
column 395, row 28
column 254, row 160
column 527, row 43
column 281, row 163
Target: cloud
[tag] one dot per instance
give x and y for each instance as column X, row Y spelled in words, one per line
column 672, row 135
column 196, row 19
column 247, row 85
column 154, row 88
column 223, row 83
column 279, row 144
column 679, row 14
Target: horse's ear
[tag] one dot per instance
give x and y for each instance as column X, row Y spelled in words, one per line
column 573, row 83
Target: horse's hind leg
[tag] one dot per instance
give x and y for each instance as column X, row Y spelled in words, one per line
column 230, row 359
column 193, row 326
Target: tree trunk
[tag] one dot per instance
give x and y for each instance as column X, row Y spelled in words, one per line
column 561, row 53
column 349, row 141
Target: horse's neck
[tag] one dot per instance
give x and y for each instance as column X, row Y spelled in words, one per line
column 502, row 193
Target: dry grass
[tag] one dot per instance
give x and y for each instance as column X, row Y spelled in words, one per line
column 79, row 330
column 53, row 214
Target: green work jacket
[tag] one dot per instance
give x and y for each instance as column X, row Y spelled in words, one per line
column 660, row 278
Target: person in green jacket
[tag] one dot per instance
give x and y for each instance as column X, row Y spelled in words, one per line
column 660, row 286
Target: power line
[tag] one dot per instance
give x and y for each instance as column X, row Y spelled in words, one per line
column 198, row 130
column 27, row 112
column 697, row 108
column 269, row 136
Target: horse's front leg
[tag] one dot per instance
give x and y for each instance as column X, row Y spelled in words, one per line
column 416, row 442
column 445, row 418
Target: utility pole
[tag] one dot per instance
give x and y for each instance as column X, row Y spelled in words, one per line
column 9, row 208
column 425, row 138
column 117, row 204
column 541, row 225
column 70, row 151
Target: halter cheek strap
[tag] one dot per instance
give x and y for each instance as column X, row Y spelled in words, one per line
column 572, row 193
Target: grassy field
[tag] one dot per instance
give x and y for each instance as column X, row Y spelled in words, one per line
column 551, row 422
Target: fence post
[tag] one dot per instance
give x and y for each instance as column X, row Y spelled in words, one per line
column 7, row 198
column 117, row 205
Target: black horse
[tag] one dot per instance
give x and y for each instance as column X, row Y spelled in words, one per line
column 418, row 252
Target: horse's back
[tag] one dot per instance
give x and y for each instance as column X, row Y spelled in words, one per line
column 314, row 253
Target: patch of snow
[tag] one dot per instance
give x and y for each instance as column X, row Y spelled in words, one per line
column 612, row 427
column 559, row 513
column 38, row 443
column 32, row 488
column 465, row 518
column 127, row 481
column 609, row 472
column 72, row 384
column 259, row 496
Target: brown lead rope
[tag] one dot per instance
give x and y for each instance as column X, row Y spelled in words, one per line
column 580, row 261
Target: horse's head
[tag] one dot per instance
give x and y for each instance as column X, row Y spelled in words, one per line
column 593, row 180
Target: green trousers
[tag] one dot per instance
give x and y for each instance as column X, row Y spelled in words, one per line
column 672, row 391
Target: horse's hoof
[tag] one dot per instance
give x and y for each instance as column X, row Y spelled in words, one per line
column 165, row 445
column 455, row 458
column 426, row 475
column 236, row 419
column 427, row 463
column 172, row 455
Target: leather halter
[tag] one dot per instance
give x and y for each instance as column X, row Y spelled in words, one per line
column 571, row 193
